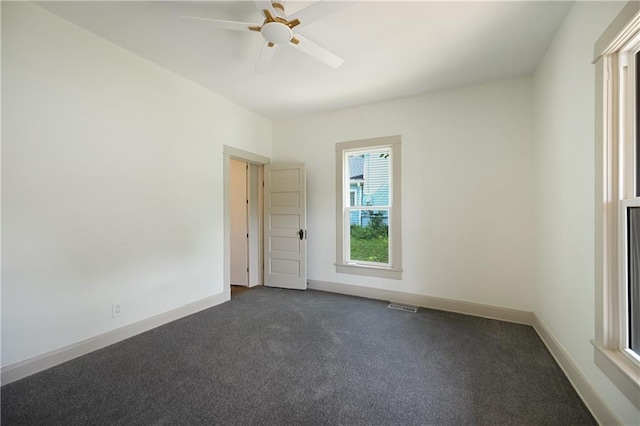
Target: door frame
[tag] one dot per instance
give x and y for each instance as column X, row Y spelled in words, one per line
column 230, row 152
column 239, row 221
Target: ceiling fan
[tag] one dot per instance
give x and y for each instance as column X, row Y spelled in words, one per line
column 278, row 29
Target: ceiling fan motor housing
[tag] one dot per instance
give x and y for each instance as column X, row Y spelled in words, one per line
column 276, row 29
column 276, row 32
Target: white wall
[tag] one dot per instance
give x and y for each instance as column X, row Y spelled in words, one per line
column 112, row 185
column 564, row 164
column 467, row 209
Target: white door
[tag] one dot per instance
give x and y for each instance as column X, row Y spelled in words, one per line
column 238, row 223
column 285, row 243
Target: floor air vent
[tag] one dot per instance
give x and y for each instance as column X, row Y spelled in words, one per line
column 403, row 308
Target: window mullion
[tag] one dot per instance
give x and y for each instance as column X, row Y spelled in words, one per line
column 369, row 207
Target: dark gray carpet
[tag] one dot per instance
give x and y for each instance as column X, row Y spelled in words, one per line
column 284, row 357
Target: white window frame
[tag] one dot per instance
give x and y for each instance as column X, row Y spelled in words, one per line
column 394, row 269
column 615, row 190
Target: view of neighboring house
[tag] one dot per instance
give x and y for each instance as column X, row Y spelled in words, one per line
column 369, row 186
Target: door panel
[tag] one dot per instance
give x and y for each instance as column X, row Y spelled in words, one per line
column 291, row 245
column 285, row 217
column 284, row 221
column 285, row 199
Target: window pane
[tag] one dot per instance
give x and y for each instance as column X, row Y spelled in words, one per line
column 369, row 178
column 356, row 177
column 633, row 216
column 369, row 236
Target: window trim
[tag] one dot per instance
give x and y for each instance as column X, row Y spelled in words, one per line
column 612, row 185
column 394, row 270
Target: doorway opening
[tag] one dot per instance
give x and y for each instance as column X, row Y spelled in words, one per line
column 243, row 220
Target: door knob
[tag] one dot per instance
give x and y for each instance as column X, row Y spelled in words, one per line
column 301, row 234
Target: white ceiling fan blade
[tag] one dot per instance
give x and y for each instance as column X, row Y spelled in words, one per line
column 319, row 10
column 226, row 25
column 320, row 53
column 263, row 5
column 264, row 60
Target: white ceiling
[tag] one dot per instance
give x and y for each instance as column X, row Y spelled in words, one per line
column 391, row 49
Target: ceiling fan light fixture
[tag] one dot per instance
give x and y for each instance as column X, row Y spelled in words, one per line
column 277, row 33
column 277, row 29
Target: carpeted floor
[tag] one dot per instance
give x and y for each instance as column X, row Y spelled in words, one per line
column 284, row 357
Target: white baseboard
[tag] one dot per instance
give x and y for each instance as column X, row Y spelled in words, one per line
column 599, row 409
column 50, row 359
column 449, row 305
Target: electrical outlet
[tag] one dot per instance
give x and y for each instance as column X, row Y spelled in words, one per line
column 116, row 310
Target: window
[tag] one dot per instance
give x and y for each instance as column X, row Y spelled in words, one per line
column 617, row 340
column 629, row 201
column 631, row 262
column 368, row 222
column 368, row 240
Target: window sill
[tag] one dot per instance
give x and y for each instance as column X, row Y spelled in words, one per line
column 369, row 271
column 620, row 369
